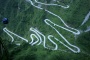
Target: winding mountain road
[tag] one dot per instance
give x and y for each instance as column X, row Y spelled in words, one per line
column 41, row 38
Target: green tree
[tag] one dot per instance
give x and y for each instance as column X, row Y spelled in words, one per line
column 4, row 55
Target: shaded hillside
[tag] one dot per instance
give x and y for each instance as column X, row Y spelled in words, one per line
column 22, row 16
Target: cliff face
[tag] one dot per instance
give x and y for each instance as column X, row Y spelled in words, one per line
column 37, row 27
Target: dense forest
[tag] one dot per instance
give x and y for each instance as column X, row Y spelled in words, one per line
column 22, row 15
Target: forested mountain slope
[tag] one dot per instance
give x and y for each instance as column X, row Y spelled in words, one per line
column 45, row 29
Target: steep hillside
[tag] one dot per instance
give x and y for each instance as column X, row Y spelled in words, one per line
column 46, row 29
